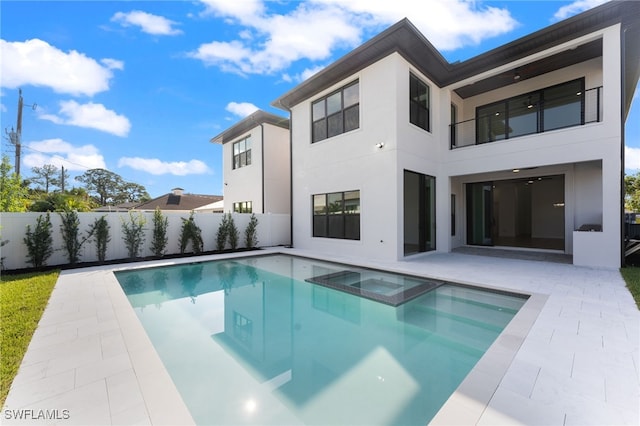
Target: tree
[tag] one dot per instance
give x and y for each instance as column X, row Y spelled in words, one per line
column 39, row 241
column 109, row 188
column 45, row 176
column 159, row 239
column 131, row 192
column 133, row 234
column 13, row 194
column 632, row 192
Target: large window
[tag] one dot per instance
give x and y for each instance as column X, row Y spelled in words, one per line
column 243, row 207
column 547, row 109
column 337, row 215
column 418, row 103
column 336, row 113
column 242, row 153
column 419, row 213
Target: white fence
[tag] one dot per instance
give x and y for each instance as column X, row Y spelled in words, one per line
column 272, row 230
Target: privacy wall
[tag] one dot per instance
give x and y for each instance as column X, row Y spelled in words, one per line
column 272, row 230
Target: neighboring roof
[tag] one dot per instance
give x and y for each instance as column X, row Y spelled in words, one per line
column 257, row 118
column 124, row 207
column 405, row 39
column 172, row 201
column 217, row 206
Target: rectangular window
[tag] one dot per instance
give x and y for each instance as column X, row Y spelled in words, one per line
column 453, row 137
column 337, row 215
column 418, row 103
column 540, row 111
column 243, row 207
column 336, row 113
column 242, row 153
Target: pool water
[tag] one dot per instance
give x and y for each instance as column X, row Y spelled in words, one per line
column 252, row 341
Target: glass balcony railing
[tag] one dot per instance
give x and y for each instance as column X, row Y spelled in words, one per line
column 559, row 107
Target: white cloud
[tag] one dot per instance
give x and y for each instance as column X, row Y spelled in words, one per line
column 148, row 23
column 631, row 158
column 36, row 62
column 62, row 154
column 94, row 116
column 576, row 7
column 315, row 29
column 113, row 64
column 242, row 109
column 158, row 167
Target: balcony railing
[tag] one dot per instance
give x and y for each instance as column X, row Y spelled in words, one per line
column 526, row 115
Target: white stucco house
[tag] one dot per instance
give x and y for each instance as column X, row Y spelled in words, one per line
column 397, row 152
column 256, row 164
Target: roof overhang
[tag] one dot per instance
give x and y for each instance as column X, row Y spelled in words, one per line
column 257, row 118
column 406, row 40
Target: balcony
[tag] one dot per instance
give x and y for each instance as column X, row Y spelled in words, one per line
column 558, row 107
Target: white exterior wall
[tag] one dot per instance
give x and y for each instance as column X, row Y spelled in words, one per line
column 588, row 156
column 269, row 161
column 352, row 161
column 243, row 183
column 277, row 166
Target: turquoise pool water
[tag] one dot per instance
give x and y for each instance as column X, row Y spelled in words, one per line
column 252, row 341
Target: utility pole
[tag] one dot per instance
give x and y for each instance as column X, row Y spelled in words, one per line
column 15, row 136
column 62, row 180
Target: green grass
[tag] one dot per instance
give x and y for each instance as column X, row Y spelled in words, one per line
column 631, row 275
column 22, row 302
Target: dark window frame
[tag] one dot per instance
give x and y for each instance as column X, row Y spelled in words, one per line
column 340, row 222
column 419, row 112
column 330, row 123
column 536, row 102
column 242, row 158
column 243, row 207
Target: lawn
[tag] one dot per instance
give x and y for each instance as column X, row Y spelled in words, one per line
column 22, row 302
column 631, row 275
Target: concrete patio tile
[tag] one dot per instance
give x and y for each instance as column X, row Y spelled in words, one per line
column 85, row 405
column 25, row 394
column 125, row 395
column 102, row 369
column 509, row 408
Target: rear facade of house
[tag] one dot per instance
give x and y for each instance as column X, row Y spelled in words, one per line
column 395, row 152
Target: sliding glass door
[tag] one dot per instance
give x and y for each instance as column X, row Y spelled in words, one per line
column 479, row 213
column 419, row 213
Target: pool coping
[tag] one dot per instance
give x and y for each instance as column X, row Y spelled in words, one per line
column 158, row 401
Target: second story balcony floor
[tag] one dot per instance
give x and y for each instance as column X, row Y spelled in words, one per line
column 561, row 106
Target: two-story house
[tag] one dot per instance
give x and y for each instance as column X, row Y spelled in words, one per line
column 256, row 164
column 395, row 151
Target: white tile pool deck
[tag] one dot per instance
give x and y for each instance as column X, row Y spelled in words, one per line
column 576, row 362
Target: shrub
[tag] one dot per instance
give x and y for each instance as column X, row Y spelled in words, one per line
column 250, row 233
column 70, row 229
column 190, row 232
column 99, row 232
column 159, row 239
column 39, row 242
column 232, row 232
column 223, row 233
column 133, row 234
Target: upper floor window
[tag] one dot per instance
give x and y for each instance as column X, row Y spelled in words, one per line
column 418, row 103
column 242, row 153
column 535, row 112
column 243, row 207
column 337, row 215
column 336, row 113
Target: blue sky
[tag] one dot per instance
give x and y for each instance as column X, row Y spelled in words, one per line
column 140, row 87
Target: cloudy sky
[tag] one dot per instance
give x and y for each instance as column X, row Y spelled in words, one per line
column 140, row 87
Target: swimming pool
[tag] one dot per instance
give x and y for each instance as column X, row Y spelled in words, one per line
column 280, row 339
